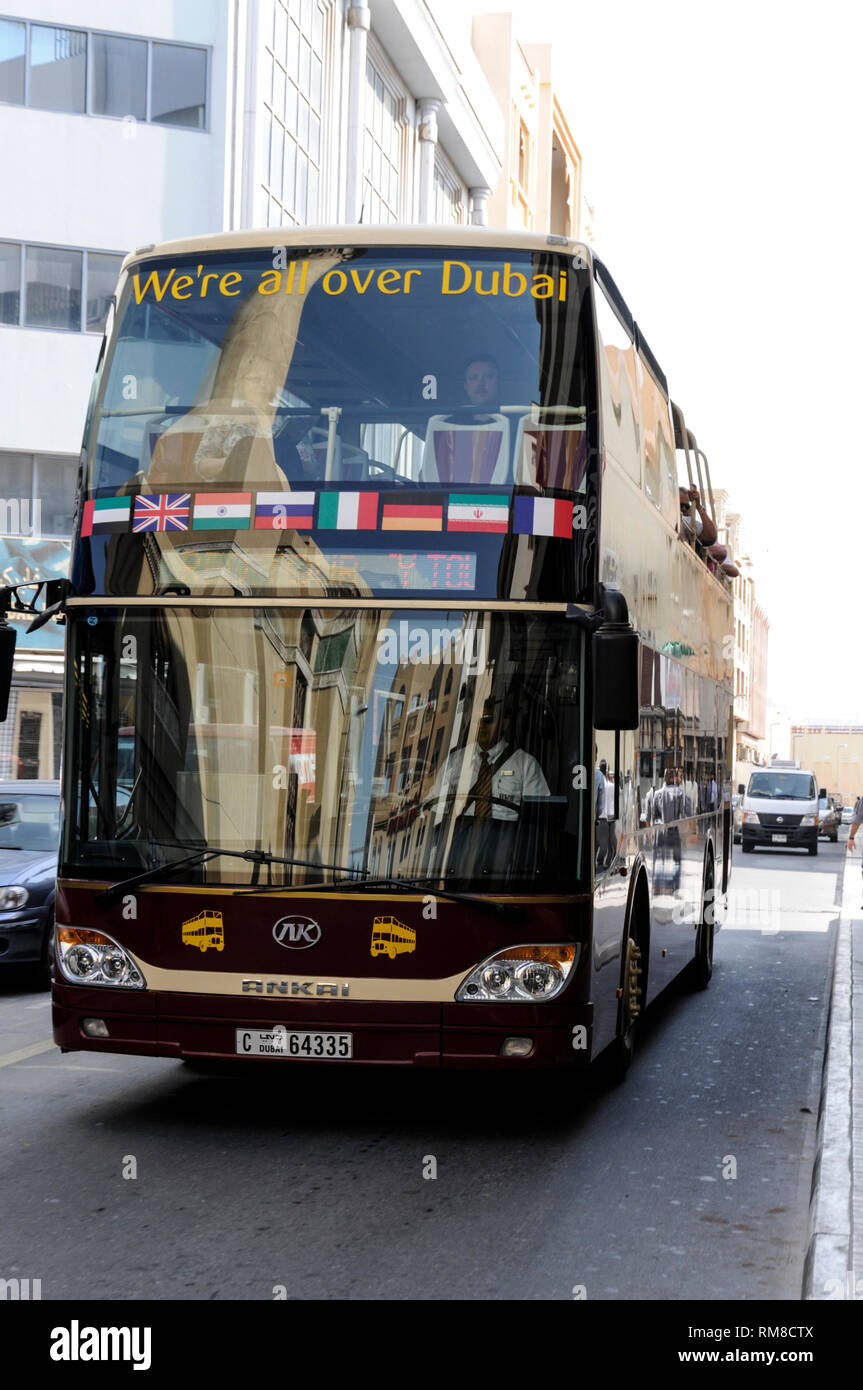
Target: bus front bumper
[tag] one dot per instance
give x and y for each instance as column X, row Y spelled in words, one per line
column 419, row 1035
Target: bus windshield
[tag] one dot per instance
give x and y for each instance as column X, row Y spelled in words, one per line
column 446, row 746
column 359, row 420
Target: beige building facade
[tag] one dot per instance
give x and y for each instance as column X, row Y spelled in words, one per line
column 834, row 752
column 540, row 188
column 749, row 643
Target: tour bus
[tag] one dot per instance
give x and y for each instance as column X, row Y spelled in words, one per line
column 411, row 495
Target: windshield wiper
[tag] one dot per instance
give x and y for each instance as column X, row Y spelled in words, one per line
column 509, row 911
column 202, row 856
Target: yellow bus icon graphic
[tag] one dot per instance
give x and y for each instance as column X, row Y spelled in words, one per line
column 391, row 938
column 204, row 931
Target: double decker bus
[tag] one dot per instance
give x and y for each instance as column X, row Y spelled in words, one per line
column 391, row 937
column 205, row 930
column 410, row 495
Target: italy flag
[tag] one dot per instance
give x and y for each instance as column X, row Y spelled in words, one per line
column 222, row 511
column 348, row 511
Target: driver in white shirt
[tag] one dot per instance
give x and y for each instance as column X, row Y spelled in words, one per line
column 493, row 776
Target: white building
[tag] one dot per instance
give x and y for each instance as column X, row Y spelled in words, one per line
column 123, row 124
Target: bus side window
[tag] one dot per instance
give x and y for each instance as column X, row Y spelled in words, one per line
column 618, row 385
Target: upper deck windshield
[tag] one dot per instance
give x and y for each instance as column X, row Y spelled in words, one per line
column 346, row 421
column 438, row 745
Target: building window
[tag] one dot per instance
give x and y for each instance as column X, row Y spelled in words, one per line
column 64, row 288
column 58, row 69
column 520, row 193
column 294, row 98
column 178, row 93
column 84, row 72
column 102, row 274
column 10, row 282
column 13, row 51
column 52, row 288
column 381, row 151
column 449, row 200
column 118, row 81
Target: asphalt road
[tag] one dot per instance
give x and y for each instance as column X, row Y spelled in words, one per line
column 689, row 1181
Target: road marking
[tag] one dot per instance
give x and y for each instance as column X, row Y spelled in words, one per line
column 23, row 1053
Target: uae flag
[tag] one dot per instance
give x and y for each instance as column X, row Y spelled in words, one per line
column 222, row 511
column 348, row 511
column 478, row 512
column 542, row 516
column 105, row 515
column 413, row 511
column 167, row 511
column 283, row 511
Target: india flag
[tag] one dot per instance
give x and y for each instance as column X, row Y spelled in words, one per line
column 222, row 511
column 542, row 516
column 348, row 511
column 105, row 515
column 478, row 512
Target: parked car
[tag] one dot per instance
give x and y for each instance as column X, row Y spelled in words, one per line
column 828, row 818
column 29, row 841
column 847, row 815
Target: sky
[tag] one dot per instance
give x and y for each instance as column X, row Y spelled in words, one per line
column 722, row 156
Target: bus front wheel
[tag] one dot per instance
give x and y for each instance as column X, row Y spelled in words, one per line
column 622, row 1049
column 701, row 965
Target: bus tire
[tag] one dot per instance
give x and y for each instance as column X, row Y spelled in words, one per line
column 813, row 849
column 701, row 965
column 46, row 957
column 747, row 849
column 622, row 1050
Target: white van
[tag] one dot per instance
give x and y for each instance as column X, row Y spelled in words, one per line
column 780, row 807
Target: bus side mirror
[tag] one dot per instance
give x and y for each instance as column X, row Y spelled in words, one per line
column 8, row 636
column 741, row 790
column 615, row 677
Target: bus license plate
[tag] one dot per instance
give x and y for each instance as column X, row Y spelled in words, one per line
column 780, row 839
column 279, row 1042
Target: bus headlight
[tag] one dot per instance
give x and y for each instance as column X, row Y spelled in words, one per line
column 751, row 818
column 809, row 820
column 91, row 958
column 519, row 974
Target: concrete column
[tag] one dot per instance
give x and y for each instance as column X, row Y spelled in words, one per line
column 478, row 206
column 359, row 23
column 427, row 109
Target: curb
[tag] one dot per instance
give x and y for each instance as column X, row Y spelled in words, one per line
column 828, row 1255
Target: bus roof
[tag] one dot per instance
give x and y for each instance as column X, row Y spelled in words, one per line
column 345, row 234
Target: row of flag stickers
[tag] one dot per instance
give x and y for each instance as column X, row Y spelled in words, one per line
column 336, row 511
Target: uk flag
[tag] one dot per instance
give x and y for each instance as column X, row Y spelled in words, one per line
column 163, row 512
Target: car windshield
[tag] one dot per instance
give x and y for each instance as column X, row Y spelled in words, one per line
column 786, row 786
column 29, row 822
